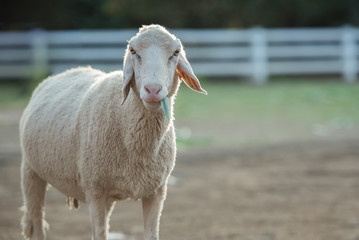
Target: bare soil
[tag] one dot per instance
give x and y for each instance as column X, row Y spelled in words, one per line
column 307, row 190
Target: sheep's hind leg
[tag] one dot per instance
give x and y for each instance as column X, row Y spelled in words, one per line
column 33, row 189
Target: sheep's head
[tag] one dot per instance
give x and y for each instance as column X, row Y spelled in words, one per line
column 154, row 62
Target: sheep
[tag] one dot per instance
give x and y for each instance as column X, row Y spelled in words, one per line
column 102, row 137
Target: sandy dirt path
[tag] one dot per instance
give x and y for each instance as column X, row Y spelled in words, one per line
column 307, row 190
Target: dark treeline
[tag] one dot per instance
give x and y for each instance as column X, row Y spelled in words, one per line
column 94, row 14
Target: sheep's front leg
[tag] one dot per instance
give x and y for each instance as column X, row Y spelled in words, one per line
column 98, row 216
column 152, row 207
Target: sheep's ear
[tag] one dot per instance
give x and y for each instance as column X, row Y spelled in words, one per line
column 128, row 74
column 185, row 72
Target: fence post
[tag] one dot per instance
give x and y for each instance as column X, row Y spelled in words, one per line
column 259, row 56
column 39, row 46
column 350, row 70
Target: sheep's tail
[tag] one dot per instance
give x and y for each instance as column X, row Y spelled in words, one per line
column 72, row 202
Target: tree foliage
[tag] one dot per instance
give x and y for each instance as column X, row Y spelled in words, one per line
column 94, row 14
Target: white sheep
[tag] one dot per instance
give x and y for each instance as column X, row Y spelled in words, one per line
column 99, row 137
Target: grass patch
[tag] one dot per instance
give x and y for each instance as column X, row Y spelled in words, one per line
column 194, row 142
column 13, row 95
column 299, row 101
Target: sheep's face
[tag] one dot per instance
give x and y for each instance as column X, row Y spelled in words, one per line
column 154, row 61
column 154, row 68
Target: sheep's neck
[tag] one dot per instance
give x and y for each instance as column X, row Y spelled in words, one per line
column 146, row 130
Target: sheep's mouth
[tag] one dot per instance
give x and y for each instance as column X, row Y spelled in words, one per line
column 153, row 106
column 152, row 102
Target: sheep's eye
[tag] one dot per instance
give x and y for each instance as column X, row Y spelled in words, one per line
column 174, row 55
column 132, row 51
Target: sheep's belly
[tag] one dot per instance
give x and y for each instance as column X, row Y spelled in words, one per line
column 137, row 188
column 71, row 190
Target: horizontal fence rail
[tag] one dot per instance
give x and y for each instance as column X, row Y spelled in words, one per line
column 256, row 53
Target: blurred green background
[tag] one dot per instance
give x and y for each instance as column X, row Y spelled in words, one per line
column 283, row 110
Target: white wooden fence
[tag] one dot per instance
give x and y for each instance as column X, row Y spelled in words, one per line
column 257, row 53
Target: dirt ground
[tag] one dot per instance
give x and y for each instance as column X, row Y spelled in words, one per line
column 297, row 190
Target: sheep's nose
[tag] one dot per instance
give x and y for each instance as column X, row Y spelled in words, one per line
column 153, row 88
